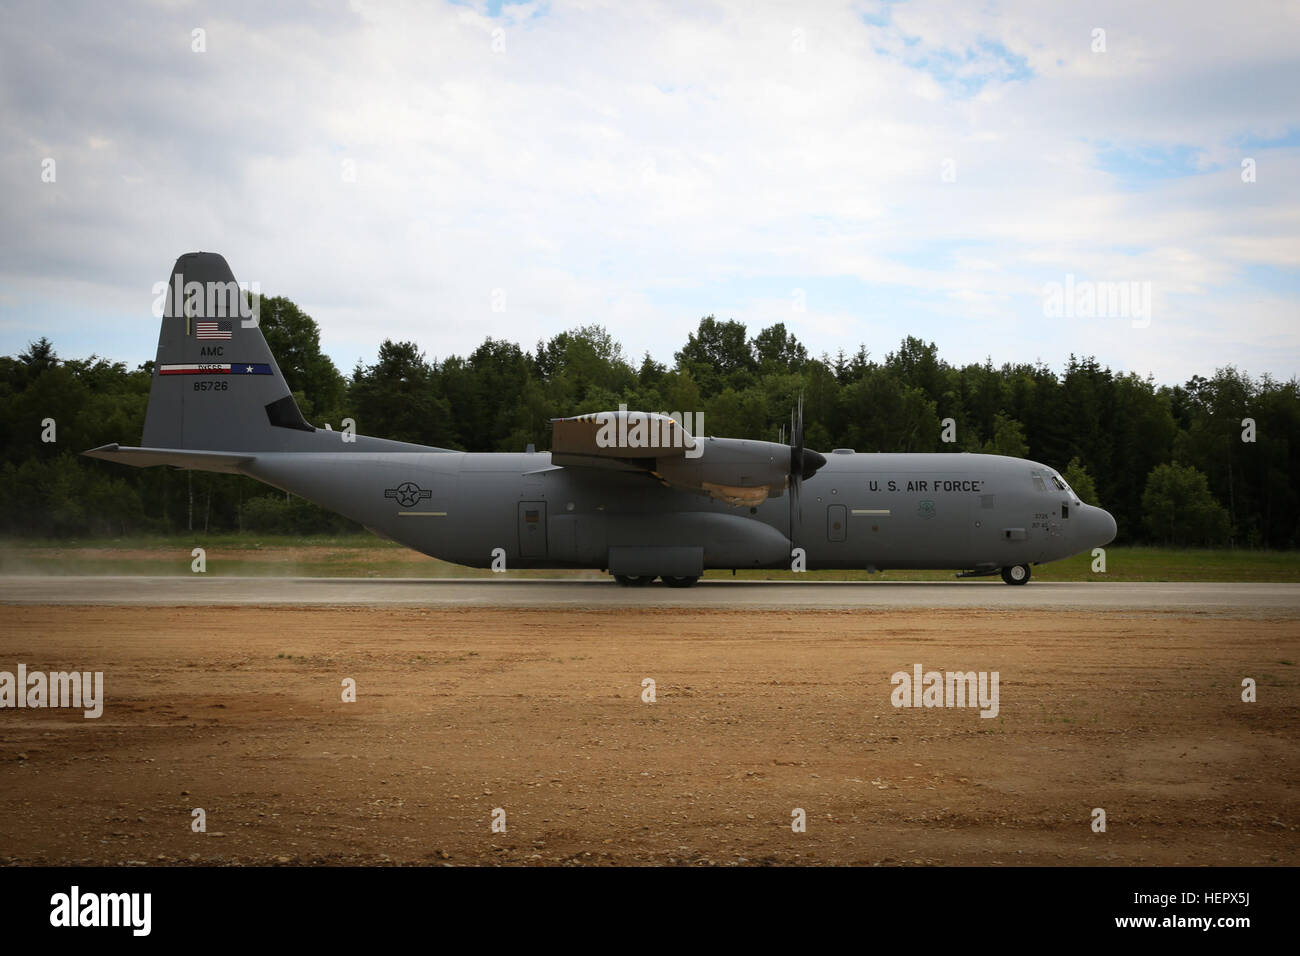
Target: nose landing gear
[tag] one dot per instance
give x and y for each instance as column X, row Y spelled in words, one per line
column 1016, row 574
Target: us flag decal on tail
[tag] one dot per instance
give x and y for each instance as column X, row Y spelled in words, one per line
column 212, row 329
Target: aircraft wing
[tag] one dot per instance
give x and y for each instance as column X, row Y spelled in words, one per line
column 619, row 435
column 739, row 472
column 618, row 441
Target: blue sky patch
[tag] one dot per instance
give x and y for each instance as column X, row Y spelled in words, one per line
column 1137, row 167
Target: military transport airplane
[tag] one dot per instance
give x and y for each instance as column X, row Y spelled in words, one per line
column 632, row 494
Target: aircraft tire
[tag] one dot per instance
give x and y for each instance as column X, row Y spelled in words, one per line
column 1016, row 574
column 633, row 580
column 679, row 582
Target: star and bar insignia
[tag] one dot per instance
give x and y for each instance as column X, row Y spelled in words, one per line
column 408, row 493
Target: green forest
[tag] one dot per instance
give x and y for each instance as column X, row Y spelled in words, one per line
column 1211, row 462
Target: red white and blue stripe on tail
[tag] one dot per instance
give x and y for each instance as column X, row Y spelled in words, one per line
column 232, row 368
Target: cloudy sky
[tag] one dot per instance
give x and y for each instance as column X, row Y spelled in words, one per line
column 860, row 171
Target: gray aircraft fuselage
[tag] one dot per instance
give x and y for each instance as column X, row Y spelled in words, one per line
column 879, row 511
column 218, row 402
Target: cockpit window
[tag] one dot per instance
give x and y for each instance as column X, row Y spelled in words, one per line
column 1062, row 486
column 1038, row 484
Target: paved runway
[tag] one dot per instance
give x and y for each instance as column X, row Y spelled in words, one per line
column 757, row 595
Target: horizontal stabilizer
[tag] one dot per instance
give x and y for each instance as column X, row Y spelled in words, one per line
column 229, row 462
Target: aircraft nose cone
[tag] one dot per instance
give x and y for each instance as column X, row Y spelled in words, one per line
column 1102, row 526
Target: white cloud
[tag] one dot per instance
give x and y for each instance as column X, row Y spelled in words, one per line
column 615, row 157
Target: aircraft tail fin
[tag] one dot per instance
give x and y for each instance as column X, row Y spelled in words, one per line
column 216, row 385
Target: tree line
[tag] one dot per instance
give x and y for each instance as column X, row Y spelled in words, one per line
column 1213, row 461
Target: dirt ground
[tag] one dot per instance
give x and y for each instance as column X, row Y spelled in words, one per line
column 459, row 712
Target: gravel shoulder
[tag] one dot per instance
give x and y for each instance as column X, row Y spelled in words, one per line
column 463, row 710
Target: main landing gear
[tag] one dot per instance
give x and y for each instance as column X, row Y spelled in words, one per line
column 634, row 580
column 1016, row 574
column 641, row 580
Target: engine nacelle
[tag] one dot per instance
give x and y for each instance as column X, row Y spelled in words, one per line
column 738, row 471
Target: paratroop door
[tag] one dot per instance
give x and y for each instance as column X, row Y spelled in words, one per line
column 532, row 529
column 837, row 522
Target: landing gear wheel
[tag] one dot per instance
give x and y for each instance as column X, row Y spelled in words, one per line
column 633, row 580
column 1016, row 574
column 679, row 582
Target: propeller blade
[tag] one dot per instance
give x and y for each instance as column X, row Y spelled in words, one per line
column 803, row 463
column 799, row 462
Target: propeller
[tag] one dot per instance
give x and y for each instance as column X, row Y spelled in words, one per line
column 803, row 463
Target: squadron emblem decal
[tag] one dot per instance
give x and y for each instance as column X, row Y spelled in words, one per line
column 925, row 509
column 408, row 494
